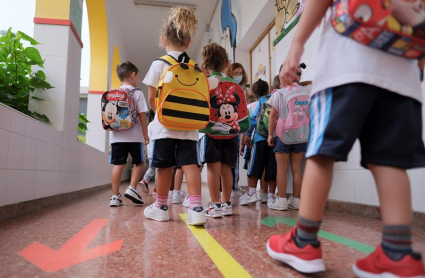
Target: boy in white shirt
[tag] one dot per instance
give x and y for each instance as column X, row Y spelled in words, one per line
column 129, row 141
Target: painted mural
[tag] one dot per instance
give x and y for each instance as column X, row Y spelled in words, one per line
column 229, row 26
column 287, row 14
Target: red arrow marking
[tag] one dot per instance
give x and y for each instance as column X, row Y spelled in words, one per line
column 73, row 252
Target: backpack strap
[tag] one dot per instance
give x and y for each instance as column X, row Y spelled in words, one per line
column 170, row 60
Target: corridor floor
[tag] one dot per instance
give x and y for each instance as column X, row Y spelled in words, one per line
column 133, row 246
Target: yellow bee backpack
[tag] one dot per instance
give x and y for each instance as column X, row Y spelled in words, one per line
column 183, row 96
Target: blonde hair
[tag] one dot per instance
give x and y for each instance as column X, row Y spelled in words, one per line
column 214, row 58
column 180, row 26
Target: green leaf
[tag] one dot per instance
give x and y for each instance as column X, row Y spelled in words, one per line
column 40, row 84
column 82, row 118
column 33, row 54
column 37, row 98
column 25, row 37
column 6, row 36
column 82, row 126
column 40, row 74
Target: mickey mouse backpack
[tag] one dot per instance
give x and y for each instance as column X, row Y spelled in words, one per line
column 118, row 109
column 394, row 26
column 293, row 124
column 229, row 114
column 183, row 97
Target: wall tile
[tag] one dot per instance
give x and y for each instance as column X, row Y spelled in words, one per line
column 58, row 159
column 30, row 154
column 33, row 129
column 39, row 36
column 28, row 185
column 39, row 28
column 49, row 186
column 53, row 137
column 4, row 148
column 5, row 113
column 15, row 156
column 40, row 183
column 56, row 45
column 18, row 122
column 2, row 187
column 13, row 186
column 51, row 154
column 41, row 156
column 55, row 66
column 57, row 29
column 364, row 187
column 56, row 93
column 54, row 110
column 356, row 156
column 342, row 186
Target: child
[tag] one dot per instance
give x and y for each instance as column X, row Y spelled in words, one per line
column 373, row 96
column 174, row 147
column 151, row 171
column 220, row 154
column 285, row 151
column 129, row 141
column 262, row 156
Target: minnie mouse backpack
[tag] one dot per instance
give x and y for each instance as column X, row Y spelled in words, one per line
column 393, row 26
column 229, row 112
column 118, row 109
column 293, row 124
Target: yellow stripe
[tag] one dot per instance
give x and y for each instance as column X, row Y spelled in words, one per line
column 227, row 265
column 115, row 81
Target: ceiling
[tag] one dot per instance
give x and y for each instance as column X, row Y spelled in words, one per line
column 137, row 28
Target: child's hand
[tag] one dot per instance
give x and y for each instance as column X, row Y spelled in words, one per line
column 241, row 149
column 147, row 140
column 248, row 141
column 270, row 140
column 290, row 71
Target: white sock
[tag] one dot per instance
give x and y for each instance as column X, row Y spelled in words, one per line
column 251, row 191
column 270, row 195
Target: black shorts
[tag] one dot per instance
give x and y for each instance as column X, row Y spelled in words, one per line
column 120, row 151
column 170, row 152
column 280, row 147
column 218, row 150
column 388, row 125
column 262, row 156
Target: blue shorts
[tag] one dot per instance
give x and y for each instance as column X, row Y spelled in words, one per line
column 262, row 157
column 388, row 126
column 280, row 147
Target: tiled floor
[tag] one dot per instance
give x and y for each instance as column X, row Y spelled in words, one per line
column 169, row 249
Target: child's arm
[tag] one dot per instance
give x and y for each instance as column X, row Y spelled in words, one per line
column 242, row 144
column 143, row 122
column 151, row 98
column 313, row 12
column 272, row 124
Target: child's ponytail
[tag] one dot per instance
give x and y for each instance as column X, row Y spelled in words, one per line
column 180, row 26
column 260, row 88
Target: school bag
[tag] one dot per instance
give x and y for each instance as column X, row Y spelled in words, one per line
column 182, row 101
column 119, row 109
column 394, row 26
column 293, row 124
column 262, row 117
column 228, row 110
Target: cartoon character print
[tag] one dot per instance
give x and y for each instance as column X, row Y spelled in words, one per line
column 286, row 10
column 226, row 104
column 109, row 115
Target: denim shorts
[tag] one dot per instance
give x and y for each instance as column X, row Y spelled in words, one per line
column 280, row 147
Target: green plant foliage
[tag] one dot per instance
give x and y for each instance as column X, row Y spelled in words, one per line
column 82, row 138
column 17, row 80
column 82, row 123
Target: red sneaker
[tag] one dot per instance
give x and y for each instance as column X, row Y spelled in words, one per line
column 284, row 249
column 378, row 264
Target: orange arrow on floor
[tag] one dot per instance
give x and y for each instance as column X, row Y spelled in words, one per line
column 73, row 252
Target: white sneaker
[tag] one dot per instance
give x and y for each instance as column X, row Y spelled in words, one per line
column 186, row 202
column 170, row 194
column 214, row 210
column 196, row 216
column 133, row 194
column 249, row 199
column 226, row 208
column 271, row 199
column 294, row 203
column 178, row 197
column 158, row 214
column 145, row 186
column 243, row 197
column 115, row 201
column 263, row 198
column 234, row 194
column 279, row 204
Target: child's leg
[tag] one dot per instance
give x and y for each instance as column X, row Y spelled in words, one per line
column 178, row 179
column 136, row 173
column 116, row 178
column 163, row 181
column 272, row 187
column 149, row 174
column 297, row 174
column 315, row 188
column 213, row 176
column 264, row 184
column 282, row 169
column 227, row 182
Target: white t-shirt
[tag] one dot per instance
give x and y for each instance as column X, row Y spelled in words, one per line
column 150, row 134
column 341, row 60
column 251, row 107
column 152, row 78
column 134, row 134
